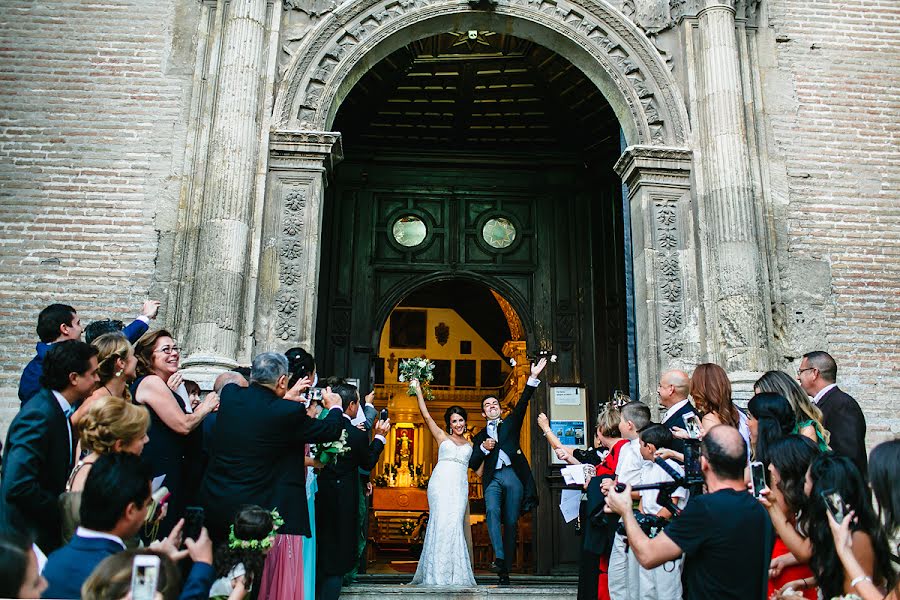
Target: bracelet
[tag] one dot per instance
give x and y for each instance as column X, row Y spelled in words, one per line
column 860, row 579
column 546, row 431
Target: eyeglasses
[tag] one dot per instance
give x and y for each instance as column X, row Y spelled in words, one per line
column 801, row 371
column 169, row 350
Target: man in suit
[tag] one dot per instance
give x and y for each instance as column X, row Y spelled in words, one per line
column 40, row 445
column 60, row 322
column 114, row 505
column 509, row 488
column 258, row 446
column 841, row 414
column 337, row 501
column 673, row 390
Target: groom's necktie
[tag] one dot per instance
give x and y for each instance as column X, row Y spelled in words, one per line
column 502, row 458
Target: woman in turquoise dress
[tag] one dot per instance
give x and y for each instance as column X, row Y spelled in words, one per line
column 809, row 417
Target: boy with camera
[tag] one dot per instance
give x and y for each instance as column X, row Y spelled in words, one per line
column 664, row 581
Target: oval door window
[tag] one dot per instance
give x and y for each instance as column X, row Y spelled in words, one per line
column 499, row 232
column 409, row 231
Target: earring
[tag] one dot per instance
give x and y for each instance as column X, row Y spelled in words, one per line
column 119, row 373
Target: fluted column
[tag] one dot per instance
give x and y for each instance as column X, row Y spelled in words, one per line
column 217, row 311
column 737, row 306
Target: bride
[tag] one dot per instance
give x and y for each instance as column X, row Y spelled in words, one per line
column 445, row 558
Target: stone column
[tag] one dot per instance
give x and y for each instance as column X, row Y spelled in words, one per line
column 736, row 298
column 287, row 295
column 217, row 312
column 666, row 295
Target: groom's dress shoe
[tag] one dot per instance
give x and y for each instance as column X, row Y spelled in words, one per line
column 499, row 566
column 504, row 579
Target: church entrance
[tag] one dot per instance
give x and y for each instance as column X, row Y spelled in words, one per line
column 476, row 217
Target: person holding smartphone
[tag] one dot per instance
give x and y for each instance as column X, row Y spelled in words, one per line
column 833, row 483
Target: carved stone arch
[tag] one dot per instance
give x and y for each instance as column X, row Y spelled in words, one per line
column 591, row 34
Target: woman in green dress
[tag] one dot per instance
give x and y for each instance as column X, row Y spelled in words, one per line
column 809, row 417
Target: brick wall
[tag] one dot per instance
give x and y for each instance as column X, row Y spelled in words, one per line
column 92, row 98
column 840, row 140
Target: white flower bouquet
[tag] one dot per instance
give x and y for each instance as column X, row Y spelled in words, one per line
column 325, row 452
column 421, row 369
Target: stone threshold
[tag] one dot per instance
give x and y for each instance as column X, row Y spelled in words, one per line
column 364, row 591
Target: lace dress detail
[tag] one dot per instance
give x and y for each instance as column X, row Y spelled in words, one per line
column 445, row 558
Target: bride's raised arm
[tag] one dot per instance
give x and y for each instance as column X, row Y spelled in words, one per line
column 439, row 434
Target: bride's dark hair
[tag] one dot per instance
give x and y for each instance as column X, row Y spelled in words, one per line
column 455, row 410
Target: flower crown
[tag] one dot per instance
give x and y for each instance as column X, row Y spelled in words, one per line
column 264, row 544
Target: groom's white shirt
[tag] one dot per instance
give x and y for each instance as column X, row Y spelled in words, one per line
column 502, row 457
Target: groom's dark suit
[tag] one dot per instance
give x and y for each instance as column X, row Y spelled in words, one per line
column 256, row 457
column 337, row 509
column 508, row 432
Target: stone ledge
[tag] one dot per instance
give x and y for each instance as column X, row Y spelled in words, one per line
column 393, row 592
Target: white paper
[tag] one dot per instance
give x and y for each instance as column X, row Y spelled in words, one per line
column 157, row 483
column 566, row 396
column 569, row 504
column 573, row 474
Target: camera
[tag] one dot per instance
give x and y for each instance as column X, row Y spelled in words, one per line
column 651, row 525
column 692, row 479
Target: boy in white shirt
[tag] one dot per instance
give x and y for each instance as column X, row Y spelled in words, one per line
column 663, row 582
column 623, row 567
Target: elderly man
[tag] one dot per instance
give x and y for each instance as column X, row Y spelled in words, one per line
column 841, row 414
column 725, row 535
column 673, row 390
column 257, row 449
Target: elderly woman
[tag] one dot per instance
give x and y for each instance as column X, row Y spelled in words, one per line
column 111, row 424
column 175, row 447
column 116, row 366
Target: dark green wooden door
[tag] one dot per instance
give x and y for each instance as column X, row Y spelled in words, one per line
column 563, row 273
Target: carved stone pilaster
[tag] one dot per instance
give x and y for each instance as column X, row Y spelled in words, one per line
column 735, row 290
column 666, row 295
column 217, row 298
column 289, row 264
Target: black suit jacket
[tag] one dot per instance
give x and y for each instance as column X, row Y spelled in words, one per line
column 842, row 416
column 508, row 440
column 677, row 420
column 36, row 464
column 337, row 502
column 256, row 457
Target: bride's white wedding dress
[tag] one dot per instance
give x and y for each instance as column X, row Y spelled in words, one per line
column 445, row 556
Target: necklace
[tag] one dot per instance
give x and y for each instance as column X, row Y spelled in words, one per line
column 108, row 390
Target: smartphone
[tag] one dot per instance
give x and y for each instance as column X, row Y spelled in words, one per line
column 193, row 522
column 757, row 477
column 835, row 504
column 692, row 426
column 384, row 414
column 315, row 394
column 144, row 576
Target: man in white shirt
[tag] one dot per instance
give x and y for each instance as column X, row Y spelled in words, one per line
column 623, row 569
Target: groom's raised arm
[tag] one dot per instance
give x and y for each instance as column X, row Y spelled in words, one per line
column 518, row 411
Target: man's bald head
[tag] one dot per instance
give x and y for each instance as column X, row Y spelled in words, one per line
column 229, row 377
column 674, row 386
column 726, row 452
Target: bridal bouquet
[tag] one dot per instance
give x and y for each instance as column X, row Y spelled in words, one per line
column 421, row 369
column 326, row 452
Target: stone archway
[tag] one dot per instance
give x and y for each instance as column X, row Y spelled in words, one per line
column 592, row 35
column 597, row 39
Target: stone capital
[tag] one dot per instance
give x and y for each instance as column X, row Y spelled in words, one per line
column 290, row 149
column 654, row 165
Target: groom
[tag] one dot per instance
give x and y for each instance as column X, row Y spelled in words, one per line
column 509, row 488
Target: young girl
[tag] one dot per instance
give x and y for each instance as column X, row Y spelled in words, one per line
column 239, row 562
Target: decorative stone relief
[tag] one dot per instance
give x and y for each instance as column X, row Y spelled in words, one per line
column 324, row 61
column 291, row 270
column 310, row 7
column 671, row 315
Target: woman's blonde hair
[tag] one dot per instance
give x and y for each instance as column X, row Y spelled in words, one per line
column 783, row 384
column 109, row 420
column 111, row 580
column 111, row 347
column 608, row 421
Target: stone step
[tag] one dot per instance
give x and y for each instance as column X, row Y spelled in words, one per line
column 382, row 591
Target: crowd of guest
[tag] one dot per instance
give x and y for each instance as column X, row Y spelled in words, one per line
column 113, row 455
column 807, row 529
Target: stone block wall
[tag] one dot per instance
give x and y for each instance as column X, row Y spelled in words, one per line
column 830, row 73
column 92, row 102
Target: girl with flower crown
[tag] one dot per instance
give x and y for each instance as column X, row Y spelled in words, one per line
column 239, row 562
